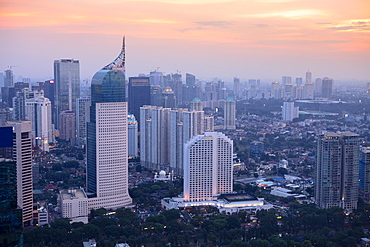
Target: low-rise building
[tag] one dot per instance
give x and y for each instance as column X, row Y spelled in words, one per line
column 73, row 204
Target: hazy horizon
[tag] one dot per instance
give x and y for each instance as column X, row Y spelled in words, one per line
column 261, row 39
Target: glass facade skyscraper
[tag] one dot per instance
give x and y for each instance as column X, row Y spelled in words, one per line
column 107, row 164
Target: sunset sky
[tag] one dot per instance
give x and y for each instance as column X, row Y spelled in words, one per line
column 209, row 38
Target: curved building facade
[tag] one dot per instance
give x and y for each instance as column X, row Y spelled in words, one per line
column 107, row 164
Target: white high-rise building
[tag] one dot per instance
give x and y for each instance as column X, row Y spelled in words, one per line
column 22, row 153
column 163, row 132
column 107, row 159
column 308, row 91
column 208, row 167
column 308, row 76
column 133, row 142
column 289, row 111
column 38, row 111
column 229, row 114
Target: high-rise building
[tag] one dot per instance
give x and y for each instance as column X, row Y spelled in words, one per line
column 67, row 82
column 83, row 105
column 107, row 159
column 365, row 172
column 318, row 87
column 237, row 91
column 229, row 114
column 289, row 111
column 275, row 90
column 10, row 214
column 38, row 111
column 133, row 142
column 308, row 76
column 298, row 82
column 9, row 78
column 196, row 105
column 308, row 91
column 168, row 98
column 156, row 78
column 190, row 80
column 208, row 167
column 327, row 87
column 138, row 94
column 286, row 80
column 67, row 120
column 337, row 170
column 22, row 155
column 155, row 95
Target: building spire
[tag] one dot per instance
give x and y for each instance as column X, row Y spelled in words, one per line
column 119, row 62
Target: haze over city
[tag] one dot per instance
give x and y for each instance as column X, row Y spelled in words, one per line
column 209, row 38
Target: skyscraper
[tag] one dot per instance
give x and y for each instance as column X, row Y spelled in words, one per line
column 22, row 155
column 67, row 120
column 132, row 132
column 67, row 82
column 107, row 164
column 208, row 167
column 365, row 172
column 337, row 170
column 327, row 87
column 289, row 111
column 308, row 76
column 229, row 114
column 83, row 105
column 138, row 94
column 38, row 111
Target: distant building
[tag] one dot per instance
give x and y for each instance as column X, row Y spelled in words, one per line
column 67, row 125
column 289, row 111
column 365, row 172
column 308, row 91
column 327, row 87
column 337, row 170
column 132, row 132
column 308, row 76
column 196, row 105
column 67, row 83
column 208, row 167
column 138, row 94
column 83, row 105
column 275, row 90
column 168, row 98
column 73, row 204
column 230, row 114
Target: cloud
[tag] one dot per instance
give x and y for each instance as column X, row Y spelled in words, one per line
column 157, row 21
column 213, row 23
column 261, row 25
column 292, row 14
column 361, row 25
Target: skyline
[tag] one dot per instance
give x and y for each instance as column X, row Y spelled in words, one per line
column 263, row 39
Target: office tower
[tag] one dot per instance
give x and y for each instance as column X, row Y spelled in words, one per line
column 208, row 167
column 289, row 91
column 299, row 82
column 73, row 204
column 308, row 76
column 11, row 216
column 168, row 98
column 155, row 95
column 257, row 148
column 67, row 120
column 133, row 142
column 38, row 111
column 107, row 164
column 177, row 87
column 318, row 87
column 190, row 80
column 286, row 80
column 22, row 155
column 196, row 105
column 364, row 177
column 156, row 78
column 337, row 170
column 5, row 115
column 289, row 111
column 237, row 91
column 229, row 114
column 67, row 82
column 308, row 91
column 83, row 105
column 9, row 78
column 19, row 102
column 138, row 94
column 327, row 87
column 275, row 90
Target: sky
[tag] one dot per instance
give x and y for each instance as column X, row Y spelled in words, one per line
column 264, row 39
